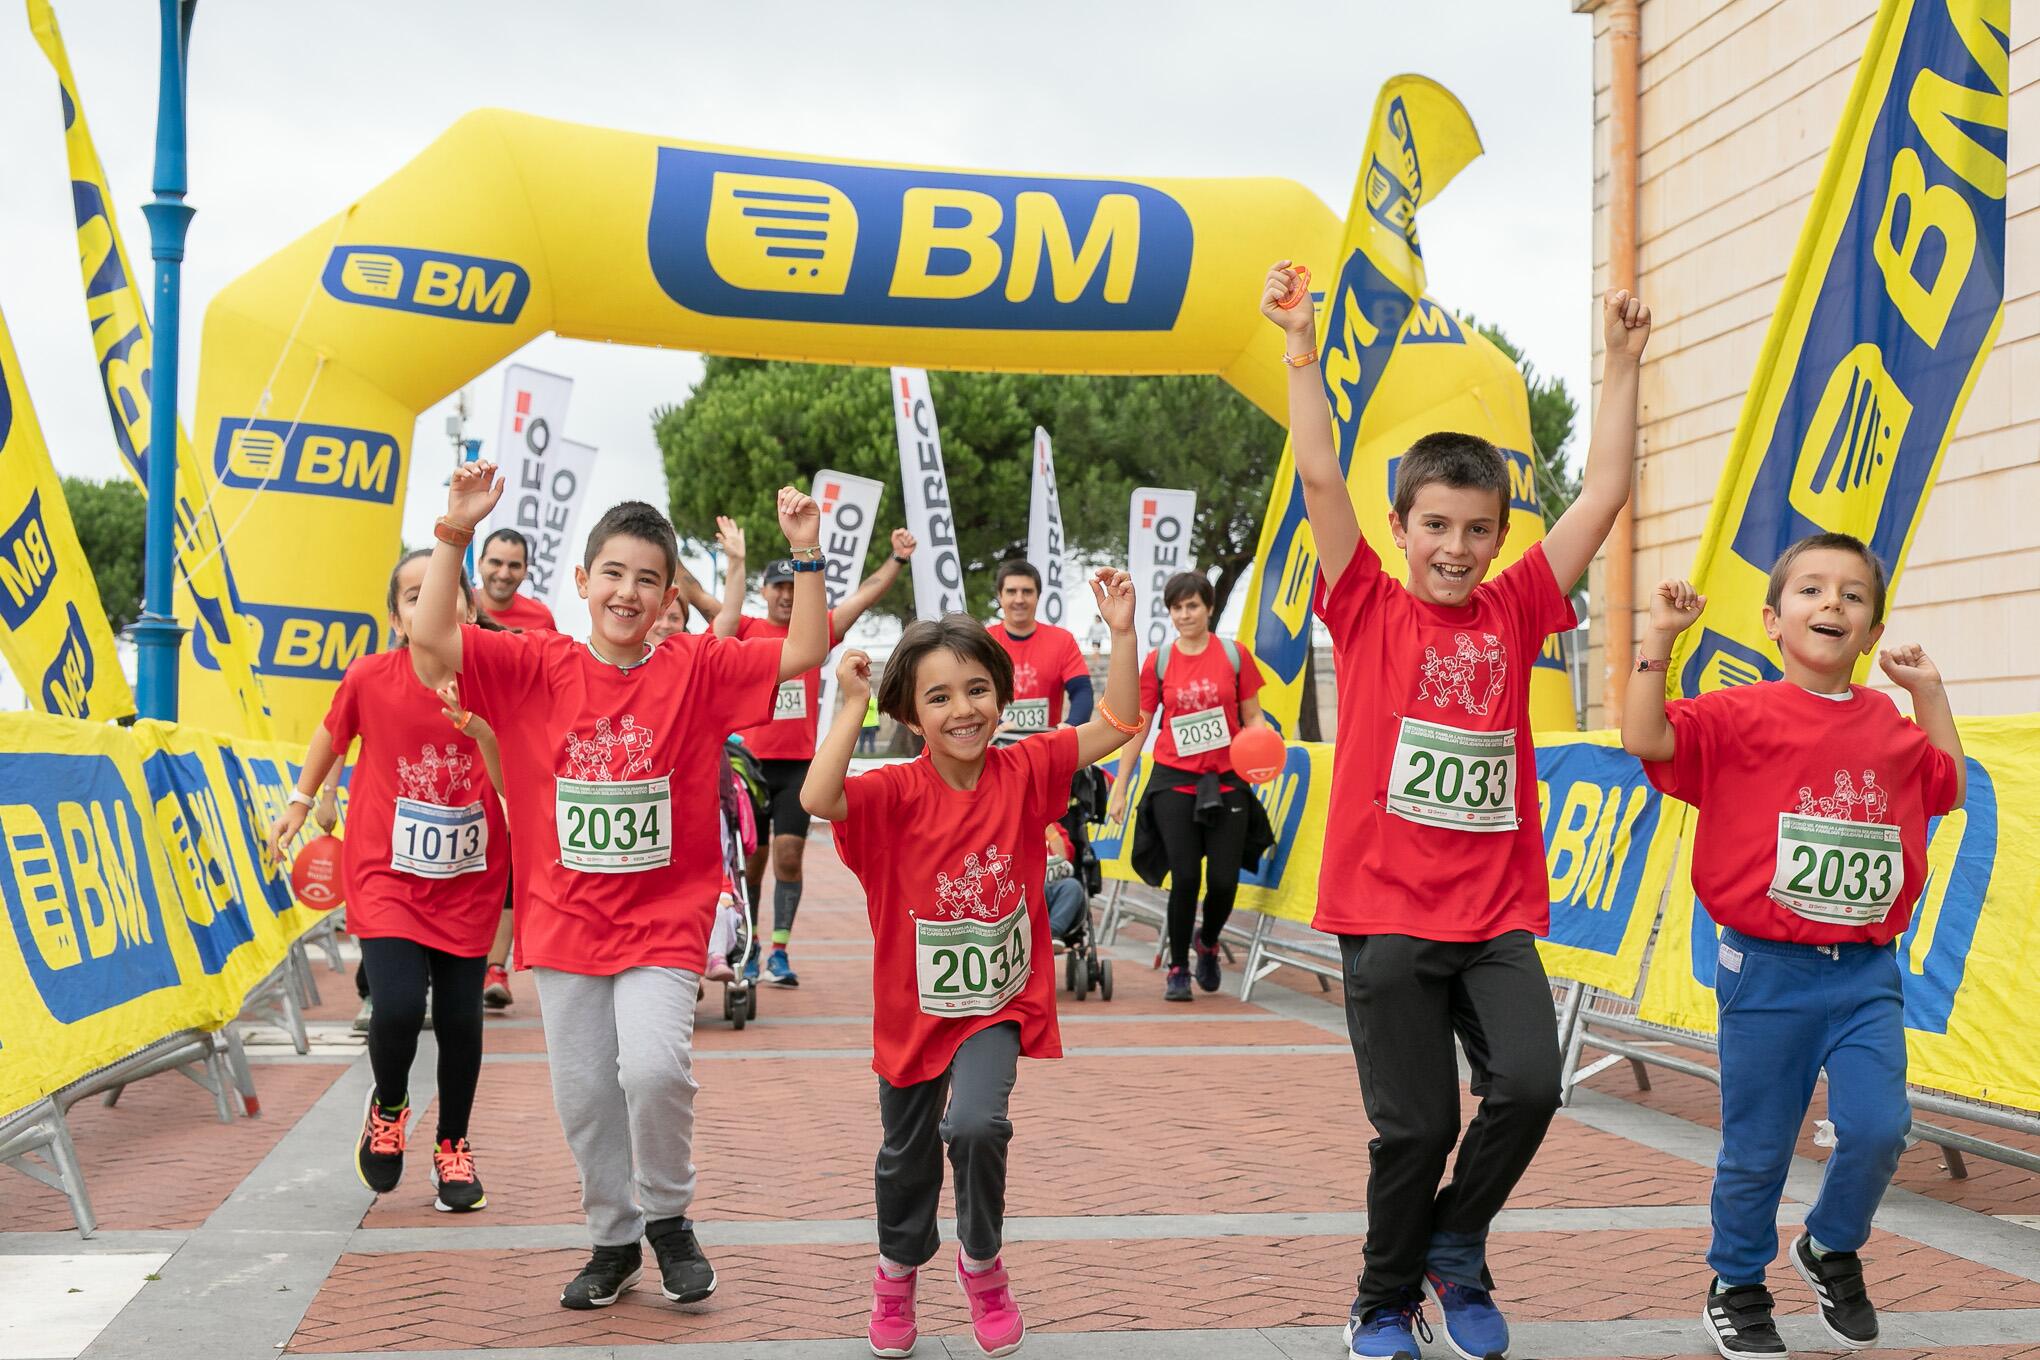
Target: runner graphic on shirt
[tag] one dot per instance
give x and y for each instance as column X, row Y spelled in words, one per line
column 1473, row 677
column 435, row 778
column 1198, row 695
column 1847, row 802
column 985, row 889
column 596, row 758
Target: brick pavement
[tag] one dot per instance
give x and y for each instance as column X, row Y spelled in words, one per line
column 1105, row 1138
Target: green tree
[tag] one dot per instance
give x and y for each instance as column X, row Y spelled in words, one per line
column 750, row 427
column 111, row 519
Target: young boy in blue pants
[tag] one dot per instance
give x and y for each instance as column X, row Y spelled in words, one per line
column 1814, row 798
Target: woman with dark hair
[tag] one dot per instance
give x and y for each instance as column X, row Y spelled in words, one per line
column 1203, row 689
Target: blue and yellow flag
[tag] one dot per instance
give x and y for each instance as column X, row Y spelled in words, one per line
column 53, row 630
column 1446, row 377
column 123, row 340
column 1893, row 300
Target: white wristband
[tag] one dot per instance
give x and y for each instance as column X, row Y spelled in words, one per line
column 300, row 797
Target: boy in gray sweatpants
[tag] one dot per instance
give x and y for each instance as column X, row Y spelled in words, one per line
column 607, row 750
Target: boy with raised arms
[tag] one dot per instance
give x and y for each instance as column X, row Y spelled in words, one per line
column 1433, row 875
column 606, row 748
column 1814, row 798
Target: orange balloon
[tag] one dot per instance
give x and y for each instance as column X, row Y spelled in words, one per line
column 1258, row 754
column 315, row 874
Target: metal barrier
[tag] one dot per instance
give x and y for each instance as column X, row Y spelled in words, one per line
column 1137, row 901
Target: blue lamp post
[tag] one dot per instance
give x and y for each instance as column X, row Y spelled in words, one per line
column 158, row 635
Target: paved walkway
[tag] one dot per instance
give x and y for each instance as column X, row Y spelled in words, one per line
column 1189, row 1182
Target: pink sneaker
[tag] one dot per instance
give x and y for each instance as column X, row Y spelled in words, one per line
column 892, row 1330
column 718, row 970
column 994, row 1317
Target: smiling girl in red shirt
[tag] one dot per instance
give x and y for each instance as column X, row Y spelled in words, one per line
column 958, row 929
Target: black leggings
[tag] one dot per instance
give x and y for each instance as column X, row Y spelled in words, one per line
column 1210, row 851
column 401, row 971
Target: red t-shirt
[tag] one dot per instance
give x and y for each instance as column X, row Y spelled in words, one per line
column 1746, row 755
column 927, row 852
column 1465, row 668
column 410, row 751
column 1198, row 684
column 521, row 612
column 1043, row 662
column 796, row 706
column 569, row 723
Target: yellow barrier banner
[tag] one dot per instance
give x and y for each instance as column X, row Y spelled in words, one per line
column 53, row 629
column 136, row 900
column 122, row 339
column 1609, row 838
column 1893, row 300
column 1397, row 365
column 1969, row 952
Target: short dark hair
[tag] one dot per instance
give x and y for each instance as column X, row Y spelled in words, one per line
column 510, row 536
column 1463, row 460
column 635, row 519
column 1782, row 568
column 963, row 637
column 1015, row 566
column 1183, row 585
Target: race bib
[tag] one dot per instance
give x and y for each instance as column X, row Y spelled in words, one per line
column 1028, row 715
column 623, row 826
column 971, row 967
column 1446, row 776
column 430, row 841
column 791, row 700
column 1196, row 733
column 1841, row 873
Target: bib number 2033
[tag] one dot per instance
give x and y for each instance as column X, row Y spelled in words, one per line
column 1446, row 776
column 971, row 967
column 1846, row 873
column 619, row 827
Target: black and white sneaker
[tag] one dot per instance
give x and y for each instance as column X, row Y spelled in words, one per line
column 686, row 1275
column 1739, row 1320
column 1837, row 1283
column 610, row 1271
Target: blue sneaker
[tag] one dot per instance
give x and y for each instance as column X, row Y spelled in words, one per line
column 782, row 971
column 1474, row 1328
column 1387, row 1331
column 751, row 967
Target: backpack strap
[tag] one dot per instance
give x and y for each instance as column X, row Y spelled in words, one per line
column 1232, row 657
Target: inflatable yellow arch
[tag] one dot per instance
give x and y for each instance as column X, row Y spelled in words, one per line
column 317, row 363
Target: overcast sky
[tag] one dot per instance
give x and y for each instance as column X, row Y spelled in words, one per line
column 297, row 109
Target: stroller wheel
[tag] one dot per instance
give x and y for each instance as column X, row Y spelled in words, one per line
column 1080, row 985
column 1070, row 971
column 1105, row 979
column 737, row 1017
column 729, row 1009
column 751, row 1003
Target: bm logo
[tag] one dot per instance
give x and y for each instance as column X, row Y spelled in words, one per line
column 311, row 460
column 299, row 642
column 430, row 283
column 789, row 240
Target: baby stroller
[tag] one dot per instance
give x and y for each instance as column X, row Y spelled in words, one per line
column 1083, row 968
column 739, row 837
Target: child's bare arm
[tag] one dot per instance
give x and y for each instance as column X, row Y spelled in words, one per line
column 1913, row 671
column 1570, row 544
column 821, row 793
column 1097, row 737
column 1646, row 731
column 1330, row 506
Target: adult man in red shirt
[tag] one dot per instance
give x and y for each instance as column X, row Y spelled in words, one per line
column 505, row 561
column 1051, row 683
column 785, row 746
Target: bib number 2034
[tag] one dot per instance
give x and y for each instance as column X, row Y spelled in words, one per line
column 619, row 827
column 1446, row 776
column 971, row 967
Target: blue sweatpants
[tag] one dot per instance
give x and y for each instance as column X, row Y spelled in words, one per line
column 1787, row 1011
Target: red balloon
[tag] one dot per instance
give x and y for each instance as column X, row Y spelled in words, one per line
column 315, row 874
column 1258, row 754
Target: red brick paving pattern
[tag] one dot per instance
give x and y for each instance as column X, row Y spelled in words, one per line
column 160, row 1158
column 413, row 1300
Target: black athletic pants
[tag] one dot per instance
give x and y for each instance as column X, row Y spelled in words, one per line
column 1405, row 1000
column 403, row 970
column 1207, row 851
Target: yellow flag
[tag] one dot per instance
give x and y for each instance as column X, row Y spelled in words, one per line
column 122, row 339
column 1893, row 300
column 1446, row 377
column 53, row 630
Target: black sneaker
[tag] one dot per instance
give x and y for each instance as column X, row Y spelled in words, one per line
column 1207, row 966
column 457, row 1186
column 379, row 1155
column 1176, row 986
column 1837, row 1283
column 687, row 1275
column 1739, row 1320
column 610, row 1271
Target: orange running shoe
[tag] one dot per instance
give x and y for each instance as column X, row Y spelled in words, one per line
column 453, row 1174
column 379, row 1156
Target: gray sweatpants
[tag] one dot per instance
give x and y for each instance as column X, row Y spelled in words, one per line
column 909, row 1172
column 621, row 1051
